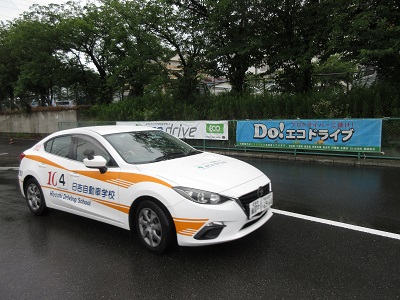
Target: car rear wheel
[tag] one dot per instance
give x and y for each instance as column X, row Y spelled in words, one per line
column 153, row 227
column 34, row 197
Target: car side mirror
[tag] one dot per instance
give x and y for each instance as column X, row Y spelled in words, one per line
column 96, row 162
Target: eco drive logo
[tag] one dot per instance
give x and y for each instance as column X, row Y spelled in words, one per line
column 215, row 128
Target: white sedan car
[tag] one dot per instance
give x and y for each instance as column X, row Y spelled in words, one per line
column 148, row 181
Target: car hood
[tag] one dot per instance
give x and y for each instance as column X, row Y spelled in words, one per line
column 206, row 171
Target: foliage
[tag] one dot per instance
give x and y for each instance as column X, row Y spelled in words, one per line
column 182, row 31
column 299, row 33
column 96, row 52
column 369, row 31
column 374, row 102
column 35, row 65
column 137, row 56
column 335, row 71
column 235, row 38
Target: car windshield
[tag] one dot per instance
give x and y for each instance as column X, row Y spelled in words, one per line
column 148, row 146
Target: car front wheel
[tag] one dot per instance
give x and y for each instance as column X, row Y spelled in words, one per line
column 34, row 197
column 154, row 229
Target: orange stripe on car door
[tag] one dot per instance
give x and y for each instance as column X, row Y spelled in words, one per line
column 45, row 161
column 112, row 177
column 109, row 176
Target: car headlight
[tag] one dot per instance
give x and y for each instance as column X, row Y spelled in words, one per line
column 200, row 196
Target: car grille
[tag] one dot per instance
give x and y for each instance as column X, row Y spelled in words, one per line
column 254, row 195
column 250, row 197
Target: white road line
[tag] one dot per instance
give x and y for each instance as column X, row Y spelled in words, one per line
column 9, row 168
column 304, row 217
column 3, row 153
column 338, row 224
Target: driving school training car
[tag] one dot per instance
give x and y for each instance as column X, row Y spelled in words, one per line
column 144, row 179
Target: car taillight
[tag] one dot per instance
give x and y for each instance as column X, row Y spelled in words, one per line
column 21, row 156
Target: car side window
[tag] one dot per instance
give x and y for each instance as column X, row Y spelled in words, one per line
column 84, row 143
column 59, row 146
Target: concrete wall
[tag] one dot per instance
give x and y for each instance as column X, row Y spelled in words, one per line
column 36, row 122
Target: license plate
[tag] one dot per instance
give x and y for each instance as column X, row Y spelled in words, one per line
column 260, row 205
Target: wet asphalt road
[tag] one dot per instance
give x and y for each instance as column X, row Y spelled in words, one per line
column 364, row 196
column 68, row 257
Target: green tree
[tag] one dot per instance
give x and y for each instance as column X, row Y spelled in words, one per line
column 234, row 39
column 138, row 55
column 35, row 63
column 86, row 33
column 112, row 39
column 79, row 80
column 8, row 67
column 297, row 33
column 32, row 46
column 182, row 30
column 334, row 71
column 369, row 31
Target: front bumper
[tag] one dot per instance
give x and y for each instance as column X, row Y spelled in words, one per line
column 213, row 224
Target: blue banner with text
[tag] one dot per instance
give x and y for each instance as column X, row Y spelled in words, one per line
column 352, row 135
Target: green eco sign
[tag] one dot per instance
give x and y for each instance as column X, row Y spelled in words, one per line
column 215, row 128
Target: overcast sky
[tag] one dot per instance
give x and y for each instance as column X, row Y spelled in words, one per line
column 11, row 9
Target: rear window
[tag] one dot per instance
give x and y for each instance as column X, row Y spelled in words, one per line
column 59, row 146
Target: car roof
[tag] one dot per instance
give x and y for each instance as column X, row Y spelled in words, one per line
column 110, row 129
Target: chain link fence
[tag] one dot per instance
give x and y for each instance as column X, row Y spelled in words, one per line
column 390, row 145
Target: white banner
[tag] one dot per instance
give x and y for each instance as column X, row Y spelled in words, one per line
column 200, row 130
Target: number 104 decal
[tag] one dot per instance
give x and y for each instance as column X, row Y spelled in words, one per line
column 54, row 180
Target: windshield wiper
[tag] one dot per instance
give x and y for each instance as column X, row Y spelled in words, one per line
column 170, row 156
column 173, row 155
column 193, row 152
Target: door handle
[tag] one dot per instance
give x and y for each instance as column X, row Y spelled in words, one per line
column 73, row 174
column 42, row 165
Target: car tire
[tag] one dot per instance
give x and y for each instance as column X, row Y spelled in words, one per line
column 34, row 197
column 154, row 227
